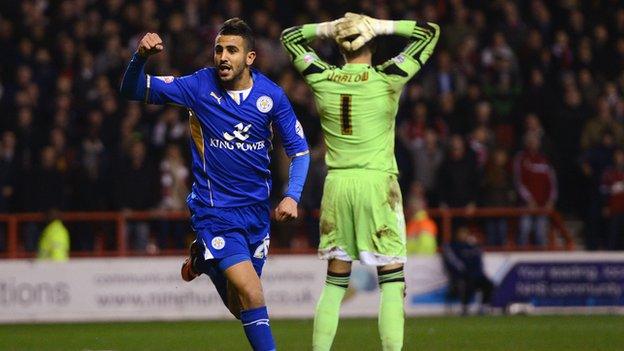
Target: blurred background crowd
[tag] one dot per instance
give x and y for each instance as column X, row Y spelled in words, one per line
column 520, row 105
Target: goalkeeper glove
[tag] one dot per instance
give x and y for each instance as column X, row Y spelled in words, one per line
column 327, row 29
column 362, row 27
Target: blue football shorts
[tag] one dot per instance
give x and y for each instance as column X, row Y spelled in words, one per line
column 230, row 235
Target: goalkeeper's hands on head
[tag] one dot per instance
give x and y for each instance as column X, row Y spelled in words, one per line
column 361, row 27
column 328, row 29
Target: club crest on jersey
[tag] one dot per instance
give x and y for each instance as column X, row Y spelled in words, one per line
column 217, row 242
column 166, row 79
column 264, row 104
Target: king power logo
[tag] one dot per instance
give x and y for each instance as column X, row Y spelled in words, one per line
column 236, row 140
column 240, row 133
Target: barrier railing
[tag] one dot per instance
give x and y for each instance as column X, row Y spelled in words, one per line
column 446, row 215
column 121, row 219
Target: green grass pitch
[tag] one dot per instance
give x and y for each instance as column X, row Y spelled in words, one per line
column 427, row 333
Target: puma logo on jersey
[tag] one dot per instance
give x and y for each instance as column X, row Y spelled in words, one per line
column 218, row 98
column 240, row 133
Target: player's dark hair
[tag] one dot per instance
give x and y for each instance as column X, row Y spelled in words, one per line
column 370, row 45
column 236, row 26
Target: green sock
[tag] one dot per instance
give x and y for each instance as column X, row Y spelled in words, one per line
column 391, row 313
column 328, row 311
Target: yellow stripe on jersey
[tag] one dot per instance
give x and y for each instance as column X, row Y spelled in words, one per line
column 197, row 134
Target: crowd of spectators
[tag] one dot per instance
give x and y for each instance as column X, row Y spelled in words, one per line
column 521, row 104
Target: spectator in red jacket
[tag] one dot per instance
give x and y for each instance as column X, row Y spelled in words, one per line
column 536, row 184
column 613, row 189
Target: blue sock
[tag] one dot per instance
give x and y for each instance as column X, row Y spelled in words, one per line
column 257, row 329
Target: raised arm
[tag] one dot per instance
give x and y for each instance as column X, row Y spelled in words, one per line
column 134, row 82
column 296, row 41
column 138, row 86
column 423, row 37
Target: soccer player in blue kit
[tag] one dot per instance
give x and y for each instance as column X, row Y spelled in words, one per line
column 232, row 110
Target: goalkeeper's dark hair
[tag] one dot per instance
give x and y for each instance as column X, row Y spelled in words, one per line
column 236, row 26
column 370, row 45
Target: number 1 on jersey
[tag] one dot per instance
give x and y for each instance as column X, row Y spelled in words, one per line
column 345, row 114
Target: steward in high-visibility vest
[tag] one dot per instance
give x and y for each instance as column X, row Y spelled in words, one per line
column 421, row 235
column 54, row 242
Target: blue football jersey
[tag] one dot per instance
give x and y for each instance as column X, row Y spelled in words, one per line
column 230, row 142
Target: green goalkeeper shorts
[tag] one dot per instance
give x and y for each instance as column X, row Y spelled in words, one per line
column 362, row 218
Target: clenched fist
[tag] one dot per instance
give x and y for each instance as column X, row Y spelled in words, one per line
column 150, row 44
column 286, row 210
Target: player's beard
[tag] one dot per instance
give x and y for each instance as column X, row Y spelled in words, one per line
column 235, row 74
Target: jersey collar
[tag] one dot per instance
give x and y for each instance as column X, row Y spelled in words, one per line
column 355, row 66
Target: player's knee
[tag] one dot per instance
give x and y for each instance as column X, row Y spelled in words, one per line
column 390, row 274
column 251, row 295
column 338, row 273
column 389, row 267
column 339, row 279
column 338, row 266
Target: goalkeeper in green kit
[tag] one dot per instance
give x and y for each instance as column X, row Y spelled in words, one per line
column 361, row 211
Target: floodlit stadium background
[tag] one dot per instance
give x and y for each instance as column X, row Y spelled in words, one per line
column 504, row 72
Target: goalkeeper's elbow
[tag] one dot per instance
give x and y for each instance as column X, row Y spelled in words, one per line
column 286, row 32
column 432, row 28
column 436, row 28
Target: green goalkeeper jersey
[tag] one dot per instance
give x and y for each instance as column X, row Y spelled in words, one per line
column 358, row 103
